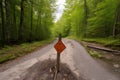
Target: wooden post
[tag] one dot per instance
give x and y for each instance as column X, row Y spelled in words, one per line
column 58, row 62
column 58, row 57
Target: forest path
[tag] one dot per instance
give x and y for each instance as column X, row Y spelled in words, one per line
column 75, row 56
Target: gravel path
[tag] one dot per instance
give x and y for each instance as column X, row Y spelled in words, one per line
column 75, row 57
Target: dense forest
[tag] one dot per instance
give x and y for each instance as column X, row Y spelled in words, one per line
column 25, row 20
column 90, row 19
column 26, row 25
column 32, row 20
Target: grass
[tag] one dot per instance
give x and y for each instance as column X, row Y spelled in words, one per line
column 108, row 42
column 95, row 54
column 11, row 52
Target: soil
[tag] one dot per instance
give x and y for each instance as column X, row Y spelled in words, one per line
column 75, row 63
column 46, row 71
column 109, row 59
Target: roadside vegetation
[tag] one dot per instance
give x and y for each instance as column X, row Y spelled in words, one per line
column 12, row 52
column 91, row 20
column 24, row 26
column 107, row 42
column 95, row 54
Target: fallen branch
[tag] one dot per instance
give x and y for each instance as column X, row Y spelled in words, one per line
column 105, row 49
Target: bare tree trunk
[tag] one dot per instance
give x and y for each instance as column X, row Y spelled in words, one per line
column 3, row 24
column 20, row 31
column 7, row 21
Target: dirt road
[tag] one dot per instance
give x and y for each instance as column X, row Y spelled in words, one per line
column 75, row 56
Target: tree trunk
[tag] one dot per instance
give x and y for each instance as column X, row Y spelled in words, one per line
column 14, row 16
column 31, row 21
column 86, row 16
column 3, row 24
column 116, row 21
column 14, row 30
column 7, row 26
column 20, row 31
column 38, row 25
column 115, row 24
column 85, row 11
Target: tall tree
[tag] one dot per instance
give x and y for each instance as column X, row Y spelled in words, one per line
column 13, row 27
column 20, row 31
column 31, row 25
column 85, row 16
column 117, row 20
column 7, row 26
column 3, row 24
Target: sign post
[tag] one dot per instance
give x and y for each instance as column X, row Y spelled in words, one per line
column 59, row 48
column 58, row 57
column 58, row 62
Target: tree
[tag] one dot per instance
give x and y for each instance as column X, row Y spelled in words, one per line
column 20, row 31
column 7, row 25
column 31, row 20
column 117, row 21
column 25, row 20
column 3, row 24
column 85, row 16
column 91, row 18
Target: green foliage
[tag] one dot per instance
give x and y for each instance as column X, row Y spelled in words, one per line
column 95, row 54
column 95, row 19
column 105, row 41
column 101, row 24
column 37, row 20
column 5, row 58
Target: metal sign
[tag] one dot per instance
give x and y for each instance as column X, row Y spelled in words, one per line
column 59, row 46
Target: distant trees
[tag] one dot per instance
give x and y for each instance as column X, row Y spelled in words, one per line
column 25, row 20
column 91, row 18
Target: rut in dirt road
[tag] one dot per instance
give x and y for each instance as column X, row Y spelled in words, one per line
column 82, row 65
